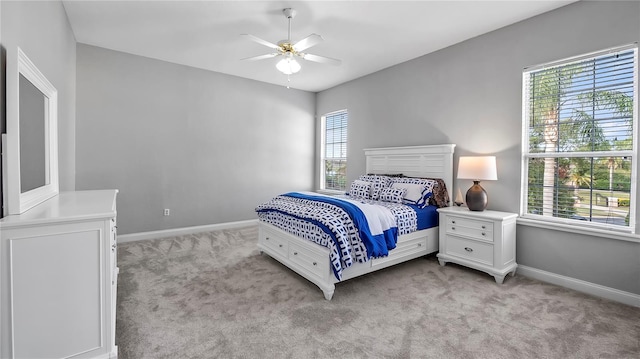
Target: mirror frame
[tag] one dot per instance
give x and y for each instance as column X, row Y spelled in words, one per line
column 15, row 201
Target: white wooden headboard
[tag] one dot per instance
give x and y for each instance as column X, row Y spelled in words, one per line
column 433, row 161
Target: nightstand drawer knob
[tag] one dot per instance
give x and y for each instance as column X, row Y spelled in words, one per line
column 267, row 238
column 484, row 227
column 295, row 253
column 280, row 245
column 454, row 222
column 484, row 234
column 468, row 249
column 453, row 228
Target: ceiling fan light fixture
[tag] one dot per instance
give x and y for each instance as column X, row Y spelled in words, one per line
column 288, row 65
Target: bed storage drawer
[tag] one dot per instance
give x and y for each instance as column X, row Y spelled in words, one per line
column 404, row 248
column 272, row 241
column 314, row 262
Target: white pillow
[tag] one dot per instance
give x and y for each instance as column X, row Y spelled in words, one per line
column 415, row 192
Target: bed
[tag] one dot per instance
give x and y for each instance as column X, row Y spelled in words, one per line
column 313, row 261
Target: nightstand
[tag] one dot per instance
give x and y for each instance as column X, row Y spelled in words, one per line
column 485, row 240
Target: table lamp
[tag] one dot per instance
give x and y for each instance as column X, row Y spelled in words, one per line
column 477, row 168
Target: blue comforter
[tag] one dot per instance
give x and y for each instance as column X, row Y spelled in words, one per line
column 378, row 244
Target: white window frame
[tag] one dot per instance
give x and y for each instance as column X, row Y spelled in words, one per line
column 323, row 158
column 619, row 232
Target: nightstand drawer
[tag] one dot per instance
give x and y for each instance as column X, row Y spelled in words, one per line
column 470, row 228
column 470, row 249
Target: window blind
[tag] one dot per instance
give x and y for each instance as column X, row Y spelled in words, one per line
column 335, row 150
column 579, row 139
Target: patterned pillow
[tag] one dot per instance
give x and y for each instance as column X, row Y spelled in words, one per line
column 393, row 195
column 360, row 189
column 378, row 182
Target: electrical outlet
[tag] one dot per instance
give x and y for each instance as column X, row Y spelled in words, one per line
column 166, row 212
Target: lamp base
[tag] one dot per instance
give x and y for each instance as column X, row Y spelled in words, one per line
column 476, row 197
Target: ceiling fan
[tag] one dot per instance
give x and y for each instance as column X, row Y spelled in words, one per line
column 289, row 51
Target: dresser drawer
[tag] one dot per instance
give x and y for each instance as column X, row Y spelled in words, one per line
column 470, row 228
column 470, row 249
column 315, row 263
column 275, row 243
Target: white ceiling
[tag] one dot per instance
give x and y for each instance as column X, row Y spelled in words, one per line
column 366, row 35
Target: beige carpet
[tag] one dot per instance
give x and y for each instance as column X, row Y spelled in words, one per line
column 213, row 295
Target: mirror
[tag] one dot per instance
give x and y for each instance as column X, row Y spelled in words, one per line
column 30, row 144
column 32, row 137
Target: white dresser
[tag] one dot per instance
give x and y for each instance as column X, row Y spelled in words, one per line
column 58, row 278
column 484, row 240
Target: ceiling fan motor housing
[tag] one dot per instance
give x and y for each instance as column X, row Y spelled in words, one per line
column 289, row 13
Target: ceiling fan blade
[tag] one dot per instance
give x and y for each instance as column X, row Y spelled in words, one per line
column 260, row 41
column 321, row 59
column 261, row 57
column 307, row 42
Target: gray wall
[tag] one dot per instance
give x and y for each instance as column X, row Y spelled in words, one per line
column 208, row 146
column 470, row 94
column 41, row 29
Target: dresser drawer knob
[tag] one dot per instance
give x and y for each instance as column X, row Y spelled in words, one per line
column 454, row 222
column 484, row 234
column 315, row 263
column 280, row 245
column 468, row 249
column 267, row 238
column 484, row 227
column 419, row 244
column 453, row 228
column 295, row 253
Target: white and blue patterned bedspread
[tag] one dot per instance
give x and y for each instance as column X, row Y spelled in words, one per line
column 322, row 220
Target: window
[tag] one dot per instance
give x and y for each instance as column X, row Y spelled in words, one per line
column 333, row 169
column 579, row 145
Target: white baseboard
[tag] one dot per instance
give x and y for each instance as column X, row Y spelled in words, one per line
column 182, row 231
column 581, row 286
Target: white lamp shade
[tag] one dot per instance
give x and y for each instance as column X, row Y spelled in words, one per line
column 478, row 168
column 288, row 65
